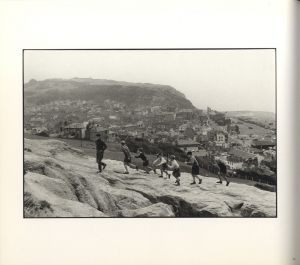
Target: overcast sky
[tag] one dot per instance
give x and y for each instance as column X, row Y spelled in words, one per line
column 221, row 79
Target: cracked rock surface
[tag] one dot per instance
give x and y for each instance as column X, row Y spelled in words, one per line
column 61, row 181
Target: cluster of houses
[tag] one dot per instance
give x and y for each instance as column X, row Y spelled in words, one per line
column 205, row 132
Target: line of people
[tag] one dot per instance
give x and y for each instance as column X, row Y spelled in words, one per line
column 161, row 163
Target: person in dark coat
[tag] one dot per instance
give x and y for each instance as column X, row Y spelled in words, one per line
column 192, row 161
column 100, row 147
column 222, row 172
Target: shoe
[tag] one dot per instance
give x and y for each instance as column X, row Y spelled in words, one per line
column 219, row 182
column 160, row 176
column 99, row 171
column 154, row 171
column 147, row 172
column 200, row 181
column 169, row 176
column 227, row 183
column 177, row 183
column 104, row 166
column 126, row 172
column 193, row 183
column 137, row 168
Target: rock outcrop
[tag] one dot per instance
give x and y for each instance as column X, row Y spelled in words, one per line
column 61, row 181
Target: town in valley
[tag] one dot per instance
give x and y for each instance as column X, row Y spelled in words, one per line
column 245, row 141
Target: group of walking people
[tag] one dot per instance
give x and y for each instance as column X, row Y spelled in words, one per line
column 164, row 164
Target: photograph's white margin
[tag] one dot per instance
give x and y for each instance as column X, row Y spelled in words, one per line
column 139, row 24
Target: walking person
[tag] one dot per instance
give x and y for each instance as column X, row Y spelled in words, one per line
column 127, row 157
column 195, row 167
column 173, row 165
column 161, row 162
column 145, row 160
column 222, row 172
column 100, row 147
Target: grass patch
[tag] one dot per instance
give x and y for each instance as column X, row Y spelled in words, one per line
column 33, row 207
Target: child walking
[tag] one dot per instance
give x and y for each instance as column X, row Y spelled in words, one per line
column 100, row 147
column 145, row 160
column 127, row 158
column 195, row 167
column 161, row 163
column 222, row 172
column 173, row 165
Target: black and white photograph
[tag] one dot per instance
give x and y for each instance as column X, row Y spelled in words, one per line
column 149, row 132
column 153, row 133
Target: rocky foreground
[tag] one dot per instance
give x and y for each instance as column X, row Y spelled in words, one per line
column 61, row 181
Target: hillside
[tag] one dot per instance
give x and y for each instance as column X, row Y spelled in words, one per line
column 61, row 182
column 99, row 90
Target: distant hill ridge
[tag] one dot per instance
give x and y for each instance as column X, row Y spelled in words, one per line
column 263, row 115
column 99, row 90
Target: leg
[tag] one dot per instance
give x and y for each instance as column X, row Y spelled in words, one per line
column 220, row 179
column 99, row 160
column 225, row 177
column 164, row 170
column 161, row 173
column 126, row 168
column 194, row 182
column 176, row 174
column 146, row 169
column 199, row 178
column 104, row 165
column 150, row 169
column 99, row 167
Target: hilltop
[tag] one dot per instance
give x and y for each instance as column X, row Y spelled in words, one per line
column 61, row 181
column 98, row 90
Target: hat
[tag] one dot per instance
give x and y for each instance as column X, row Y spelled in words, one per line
column 189, row 153
column 98, row 134
column 122, row 142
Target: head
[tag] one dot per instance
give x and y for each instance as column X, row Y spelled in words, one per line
column 172, row 157
column 189, row 153
column 98, row 136
column 122, row 142
column 158, row 155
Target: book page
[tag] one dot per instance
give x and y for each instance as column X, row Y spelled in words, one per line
column 35, row 35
